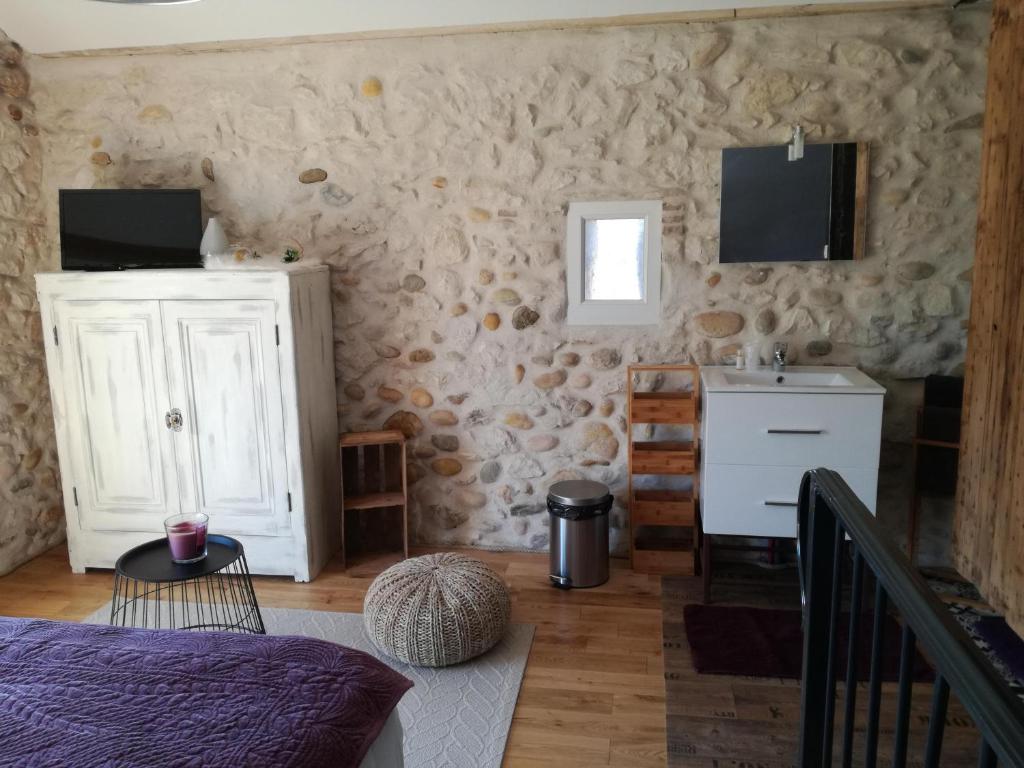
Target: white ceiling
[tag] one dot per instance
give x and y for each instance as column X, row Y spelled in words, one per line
column 54, row 26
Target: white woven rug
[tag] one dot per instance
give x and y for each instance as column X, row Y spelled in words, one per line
column 457, row 717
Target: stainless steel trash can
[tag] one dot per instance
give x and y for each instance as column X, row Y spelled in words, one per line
column 579, row 533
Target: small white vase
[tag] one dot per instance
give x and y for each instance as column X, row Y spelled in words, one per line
column 214, row 240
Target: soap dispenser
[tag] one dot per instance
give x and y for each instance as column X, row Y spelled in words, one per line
column 752, row 354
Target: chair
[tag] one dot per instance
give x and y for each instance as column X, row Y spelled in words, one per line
column 936, row 446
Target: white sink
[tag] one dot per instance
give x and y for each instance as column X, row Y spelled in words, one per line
column 796, row 378
column 762, row 429
column 787, row 378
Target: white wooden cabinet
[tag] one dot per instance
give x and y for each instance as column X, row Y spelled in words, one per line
column 192, row 391
column 757, row 442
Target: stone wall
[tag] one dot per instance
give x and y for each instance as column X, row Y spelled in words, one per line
column 31, row 518
column 433, row 175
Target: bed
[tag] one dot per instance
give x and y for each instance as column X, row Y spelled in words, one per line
column 386, row 750
column 78, row 694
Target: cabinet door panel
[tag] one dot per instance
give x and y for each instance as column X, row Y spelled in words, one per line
column 224, row 377
column 122, row 456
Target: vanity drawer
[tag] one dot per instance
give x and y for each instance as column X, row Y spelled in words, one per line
column 761, row 501
column 796, row 430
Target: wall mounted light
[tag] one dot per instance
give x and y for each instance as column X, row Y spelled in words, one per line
column 796, row 144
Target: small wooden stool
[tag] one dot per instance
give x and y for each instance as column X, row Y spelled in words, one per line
column 373, row 473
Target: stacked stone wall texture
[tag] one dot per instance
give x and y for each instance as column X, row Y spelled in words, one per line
column 31, row 516
column 433, row 175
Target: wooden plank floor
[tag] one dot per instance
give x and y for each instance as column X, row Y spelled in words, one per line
column 719, row 721
column 593, row 693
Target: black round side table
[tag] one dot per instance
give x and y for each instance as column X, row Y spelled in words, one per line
column 214, row 594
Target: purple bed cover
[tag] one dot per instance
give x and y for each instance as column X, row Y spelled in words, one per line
column 84, row 695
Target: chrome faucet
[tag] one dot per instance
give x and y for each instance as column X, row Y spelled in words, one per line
column 779, row 356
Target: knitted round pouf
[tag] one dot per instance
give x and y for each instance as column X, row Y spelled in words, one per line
column 436, row 610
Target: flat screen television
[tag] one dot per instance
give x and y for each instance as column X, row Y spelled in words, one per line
column 107, row 229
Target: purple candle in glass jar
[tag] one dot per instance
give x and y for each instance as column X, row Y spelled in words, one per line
column 186, row 537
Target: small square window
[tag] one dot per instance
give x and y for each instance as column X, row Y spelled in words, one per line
column 614, row 262
column 613, row 259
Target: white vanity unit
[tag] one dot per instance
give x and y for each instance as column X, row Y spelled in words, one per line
column 761, row 430
column 195, row 391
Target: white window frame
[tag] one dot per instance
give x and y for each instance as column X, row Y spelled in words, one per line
column 645, row 311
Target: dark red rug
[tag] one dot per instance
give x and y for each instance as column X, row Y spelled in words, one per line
column 768, row 642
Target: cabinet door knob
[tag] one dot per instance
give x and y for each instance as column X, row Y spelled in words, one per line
column 174, row 420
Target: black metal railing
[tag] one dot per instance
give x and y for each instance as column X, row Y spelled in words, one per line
column 831, row 518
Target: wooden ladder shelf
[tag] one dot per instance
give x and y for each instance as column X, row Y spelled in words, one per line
column 662, row 521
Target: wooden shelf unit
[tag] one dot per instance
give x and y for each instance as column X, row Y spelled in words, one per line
column 373, row 470
column 663, row 523
column 375, row 500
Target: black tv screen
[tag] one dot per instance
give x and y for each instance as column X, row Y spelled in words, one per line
column 104, row 229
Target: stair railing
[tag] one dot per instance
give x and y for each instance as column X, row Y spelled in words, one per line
column 831, row 519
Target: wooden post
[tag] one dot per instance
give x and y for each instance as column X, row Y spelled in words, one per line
column 988, row 536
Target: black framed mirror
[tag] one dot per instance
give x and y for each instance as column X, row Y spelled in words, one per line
column 810, row 209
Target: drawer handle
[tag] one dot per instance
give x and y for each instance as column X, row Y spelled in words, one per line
column 780, row 503
column 795, row 431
